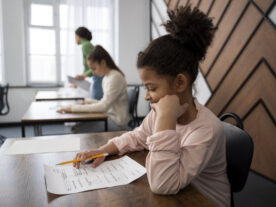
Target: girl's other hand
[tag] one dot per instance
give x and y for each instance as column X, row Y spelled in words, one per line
column 80, row 77
column 65, row 110
column 169, row 107
column 83, row 155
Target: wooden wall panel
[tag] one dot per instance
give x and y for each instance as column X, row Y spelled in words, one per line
column 193, row 3
column 223, row 31
column 240, row 68
column 217, row 10
column 173, row 4
column 260, row 46
column 260, row 126
column 205, row 5
column 246, row 26
column 263, row 4
column 259, row 86
column 183, row 2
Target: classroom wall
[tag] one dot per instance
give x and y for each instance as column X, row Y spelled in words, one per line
column 133, row 35
column 19, row 101
column 13, row 37
column 1, row 42
column 130, row 37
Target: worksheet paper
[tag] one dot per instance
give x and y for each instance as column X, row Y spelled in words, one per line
column 43, row 145
column 84, row 84
column 67, row 179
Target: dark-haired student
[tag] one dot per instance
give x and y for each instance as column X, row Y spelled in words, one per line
column 185, row 140
column 114, row 101
column 83, row 37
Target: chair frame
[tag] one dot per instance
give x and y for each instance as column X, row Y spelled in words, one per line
column 5, row 89
column 134, row 113
column 5, row 99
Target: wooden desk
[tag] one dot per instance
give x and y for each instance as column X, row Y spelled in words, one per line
column 45, row 112
column 22, row 182
column 63, row 94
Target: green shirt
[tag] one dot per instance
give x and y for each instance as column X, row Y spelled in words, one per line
column 87, row 48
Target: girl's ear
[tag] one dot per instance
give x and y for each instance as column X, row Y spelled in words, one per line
column 181, row 83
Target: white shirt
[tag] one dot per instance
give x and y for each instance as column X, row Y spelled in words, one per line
column 114, row 102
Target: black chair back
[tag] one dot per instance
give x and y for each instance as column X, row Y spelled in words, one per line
column 4, row 105
column 239, row 152
column 133, row 94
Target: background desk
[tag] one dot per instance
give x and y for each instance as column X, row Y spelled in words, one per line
column 45, row 112
column 62, row 94
column 22, row 182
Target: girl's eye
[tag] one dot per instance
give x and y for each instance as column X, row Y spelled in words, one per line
column 151, row 89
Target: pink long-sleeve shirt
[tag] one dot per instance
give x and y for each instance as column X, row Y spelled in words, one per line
column 192, row 154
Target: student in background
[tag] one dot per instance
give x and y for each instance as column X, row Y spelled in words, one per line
column 115, row 100
column 83, row 37
column 185, row 140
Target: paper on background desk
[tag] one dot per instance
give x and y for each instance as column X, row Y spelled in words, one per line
column 67, row 179
column 43, row 145
column 84, row 84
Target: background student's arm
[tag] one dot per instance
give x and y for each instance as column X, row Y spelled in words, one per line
column 88, row 73
column 171, row 167
column 90, row 101
column 86, row 50
column 110, row 93
column 68, row 109
column 80, row 77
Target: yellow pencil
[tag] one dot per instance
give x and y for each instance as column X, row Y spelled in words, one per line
column 88, row 158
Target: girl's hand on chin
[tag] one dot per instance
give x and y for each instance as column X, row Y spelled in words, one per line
column 169, row 107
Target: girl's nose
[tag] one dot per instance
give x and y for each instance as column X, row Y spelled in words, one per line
column 147, row 96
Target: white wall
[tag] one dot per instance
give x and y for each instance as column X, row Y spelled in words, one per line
column 132, row 36
column 13, row 36
column 1, row 42
column 19, row 101
column 14, row 60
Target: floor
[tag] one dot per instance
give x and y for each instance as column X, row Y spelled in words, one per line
column 258, row 191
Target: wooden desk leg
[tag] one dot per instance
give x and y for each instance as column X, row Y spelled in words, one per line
column 105, row 125
column 22, row 129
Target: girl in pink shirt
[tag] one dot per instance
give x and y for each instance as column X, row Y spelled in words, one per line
column 185, row 140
